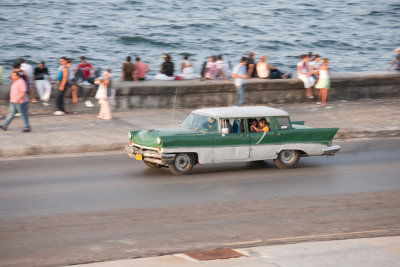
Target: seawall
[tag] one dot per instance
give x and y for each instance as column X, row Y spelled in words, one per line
column 195, row 93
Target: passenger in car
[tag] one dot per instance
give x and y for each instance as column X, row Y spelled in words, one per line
column 229, row 126
column 263, row 126
column 254, row 126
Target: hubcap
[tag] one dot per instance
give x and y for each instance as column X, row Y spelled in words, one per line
column 182, row 161
column 287, row 156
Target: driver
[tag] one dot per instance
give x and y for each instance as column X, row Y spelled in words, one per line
column 210, row 125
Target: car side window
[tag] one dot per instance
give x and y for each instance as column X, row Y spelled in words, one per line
column 259, row 125
column 283, row 122
column 234, row 125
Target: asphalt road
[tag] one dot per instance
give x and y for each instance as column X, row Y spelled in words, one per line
column 60, row 210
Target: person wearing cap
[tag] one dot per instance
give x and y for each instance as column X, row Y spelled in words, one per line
column 166, row 70
column 396, row 60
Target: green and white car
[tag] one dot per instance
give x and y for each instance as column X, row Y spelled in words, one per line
column 215, row 135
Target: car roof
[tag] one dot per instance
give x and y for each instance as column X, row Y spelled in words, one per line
column 241, row 112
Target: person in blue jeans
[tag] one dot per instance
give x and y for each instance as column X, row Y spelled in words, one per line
column 18, row 102
column 239, row 73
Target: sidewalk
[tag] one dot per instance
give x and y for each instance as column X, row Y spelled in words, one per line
column 367, row 252
column 83, row 132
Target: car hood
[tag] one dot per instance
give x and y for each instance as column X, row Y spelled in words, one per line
column 148, row 137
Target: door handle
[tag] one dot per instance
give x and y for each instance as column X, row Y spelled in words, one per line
column 276, row 133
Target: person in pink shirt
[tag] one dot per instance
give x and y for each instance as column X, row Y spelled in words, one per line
column 141, row 69
column 18, row 102
column 211, row 69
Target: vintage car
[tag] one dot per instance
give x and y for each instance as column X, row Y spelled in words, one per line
column 214, row 135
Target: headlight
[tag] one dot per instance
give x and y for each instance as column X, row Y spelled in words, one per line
column 158, row 140
column 130, row 135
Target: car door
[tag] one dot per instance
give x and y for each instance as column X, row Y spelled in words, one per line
column 264, row 145
column 232, row 146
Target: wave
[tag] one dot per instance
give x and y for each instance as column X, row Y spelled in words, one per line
column 376, row 13
column 191, row 25
column 334, row 43
column 133, row 2
column 88, row 26
column 129, row 40
column 269, row 47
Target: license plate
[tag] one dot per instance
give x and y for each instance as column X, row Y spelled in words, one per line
column 139, row 156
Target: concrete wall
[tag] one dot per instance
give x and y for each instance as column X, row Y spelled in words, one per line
column 193, row 94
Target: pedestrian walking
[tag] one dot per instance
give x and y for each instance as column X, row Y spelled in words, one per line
column 18, row 102
column 103, row 94
column 239, row 73
column 324, row 82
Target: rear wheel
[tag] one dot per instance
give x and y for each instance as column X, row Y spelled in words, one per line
column 152, row 165
column 287, row 159
column 182, row 164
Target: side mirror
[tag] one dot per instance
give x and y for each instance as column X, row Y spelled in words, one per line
column 224, row 131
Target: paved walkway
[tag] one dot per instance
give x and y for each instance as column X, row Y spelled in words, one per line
column 367, row 252
column 81, row 131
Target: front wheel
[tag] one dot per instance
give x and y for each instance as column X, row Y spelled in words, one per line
column 182, row 164
column 287, row 159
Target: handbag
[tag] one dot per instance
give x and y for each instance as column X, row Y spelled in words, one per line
column 101, row 92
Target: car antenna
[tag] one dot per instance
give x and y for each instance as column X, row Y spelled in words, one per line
column 173, row 110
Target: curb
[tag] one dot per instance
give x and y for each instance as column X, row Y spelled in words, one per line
column 367, row 134
column 50, row 150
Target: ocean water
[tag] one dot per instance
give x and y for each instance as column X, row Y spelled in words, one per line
column 354, row 35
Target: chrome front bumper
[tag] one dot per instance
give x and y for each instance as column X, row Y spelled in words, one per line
column 150, row 156
column 331, row 150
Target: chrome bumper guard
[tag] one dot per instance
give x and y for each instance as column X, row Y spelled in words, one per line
column 150, row 156
column 331, row 150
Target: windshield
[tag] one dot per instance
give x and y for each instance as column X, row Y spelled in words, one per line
column 201, row 123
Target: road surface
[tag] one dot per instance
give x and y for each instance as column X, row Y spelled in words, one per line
column 60, row 210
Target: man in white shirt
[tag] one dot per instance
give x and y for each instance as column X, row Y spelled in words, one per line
column 28, row 69
column 223, row 68
column 304, row 72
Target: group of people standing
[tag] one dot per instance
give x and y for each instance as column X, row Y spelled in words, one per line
column 84, row 74
column 25, row 80
column 315, row 74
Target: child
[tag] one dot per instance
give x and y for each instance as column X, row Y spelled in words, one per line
column 102, row 95
column 324, row 82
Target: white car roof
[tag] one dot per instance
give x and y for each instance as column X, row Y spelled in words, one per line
column 239, row 112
